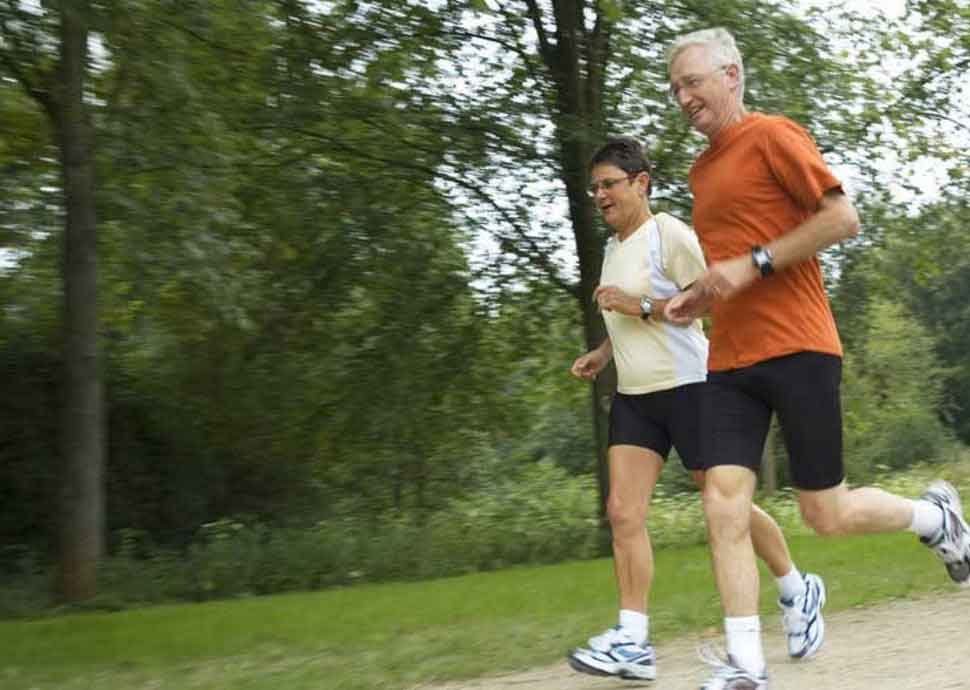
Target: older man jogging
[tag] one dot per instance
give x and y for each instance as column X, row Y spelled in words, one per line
column 765, row 203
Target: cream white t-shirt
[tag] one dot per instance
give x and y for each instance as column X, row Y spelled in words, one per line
column 658, row 259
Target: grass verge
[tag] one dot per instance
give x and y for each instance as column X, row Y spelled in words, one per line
column 399, row 636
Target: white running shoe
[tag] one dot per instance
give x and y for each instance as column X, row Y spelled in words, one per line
column 952, row 542
column 615, row 653
column 802, row 619
column 728, row 676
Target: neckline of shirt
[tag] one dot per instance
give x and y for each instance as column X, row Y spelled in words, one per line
column 733, row 131
column 643, row 227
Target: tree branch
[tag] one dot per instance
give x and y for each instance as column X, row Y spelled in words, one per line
column 204, row 39
column 547, row 51
column 532, row 252
column 9, row 60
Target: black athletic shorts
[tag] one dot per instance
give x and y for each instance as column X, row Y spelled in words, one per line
column 660, row 420
column 803, row 390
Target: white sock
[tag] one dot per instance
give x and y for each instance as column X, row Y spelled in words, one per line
column 744, row 643
column 636, row 624
column 927, row 518
column 791, row 585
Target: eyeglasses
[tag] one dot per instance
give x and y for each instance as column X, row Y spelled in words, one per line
column 691, row 82
column 608, row 184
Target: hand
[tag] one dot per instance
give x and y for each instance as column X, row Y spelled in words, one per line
column 587, row 366
column 727, row 278
column 612, row 298
column 722, row 280
column 691, row 304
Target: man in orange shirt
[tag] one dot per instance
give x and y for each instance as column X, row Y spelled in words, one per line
column 765, row 203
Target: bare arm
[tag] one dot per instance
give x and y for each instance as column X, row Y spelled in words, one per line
column 611, row 298
column 835, row 221
column 593, row 362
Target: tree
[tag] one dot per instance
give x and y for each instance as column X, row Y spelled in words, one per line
column 59, row 89
column 931, row 103
column 533, row 87
column 893, row 388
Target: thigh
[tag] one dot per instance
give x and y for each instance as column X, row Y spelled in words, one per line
column 634, row 421
column 634, row 472
column 734, row 420
column 808, row 403
column 684, row 424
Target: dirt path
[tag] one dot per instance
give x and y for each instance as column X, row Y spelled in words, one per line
column 905, row 645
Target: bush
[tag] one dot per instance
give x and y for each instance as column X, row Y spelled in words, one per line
column 541, row 516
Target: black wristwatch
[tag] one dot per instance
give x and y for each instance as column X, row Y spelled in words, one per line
column 646, row 307
column 763, row 260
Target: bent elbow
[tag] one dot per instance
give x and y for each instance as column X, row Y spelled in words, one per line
column 846, row 219
column 843, row 218
column 852, row 224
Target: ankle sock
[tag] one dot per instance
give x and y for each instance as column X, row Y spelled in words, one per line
column 636, row 624
column 744, row 643
column 927, row 518
column 791, row 585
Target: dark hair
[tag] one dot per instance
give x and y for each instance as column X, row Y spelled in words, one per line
column 626, row 154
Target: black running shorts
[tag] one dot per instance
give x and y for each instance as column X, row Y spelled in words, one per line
column 660, row 420
column 803, row 390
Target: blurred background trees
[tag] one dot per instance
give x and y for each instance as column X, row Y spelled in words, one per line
column 345, row 257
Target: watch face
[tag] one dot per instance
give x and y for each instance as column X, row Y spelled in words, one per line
column 763, row 260
column 646, row 305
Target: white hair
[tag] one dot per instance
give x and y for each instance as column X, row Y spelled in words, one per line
column 720, row 47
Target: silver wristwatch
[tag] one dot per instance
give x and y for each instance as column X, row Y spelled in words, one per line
column 763, row 260
column 646, row 307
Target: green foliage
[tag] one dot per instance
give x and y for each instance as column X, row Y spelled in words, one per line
column 892, row 392
column 917, row 263
column 930, row 108
column 540, row 516
column 425, row 632
column 292, row 327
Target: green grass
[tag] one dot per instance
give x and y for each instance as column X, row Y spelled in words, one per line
column 406, row 634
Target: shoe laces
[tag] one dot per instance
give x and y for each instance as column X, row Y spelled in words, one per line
column 793, row 620
column 610, row 637
column 714, row 656
column 951, row 531
column 717, row 659
column 793, row 616
column 945, row 496
column 724, row 668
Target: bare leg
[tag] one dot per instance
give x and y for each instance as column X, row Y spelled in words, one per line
column 840, row 511
column 766, row 536
column 633, row 475
column 727, row 505
column 769, row 542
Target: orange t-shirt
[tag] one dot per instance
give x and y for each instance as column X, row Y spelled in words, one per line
column 759, row 179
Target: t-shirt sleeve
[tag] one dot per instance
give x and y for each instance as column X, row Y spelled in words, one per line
column 683, row 258
column 797, row 164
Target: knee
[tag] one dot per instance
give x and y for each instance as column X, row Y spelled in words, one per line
column 825, row 520
column 626, row 518
column 728, row 516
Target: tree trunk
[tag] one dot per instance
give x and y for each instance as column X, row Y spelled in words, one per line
column 82, row 436
column 575, row 61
